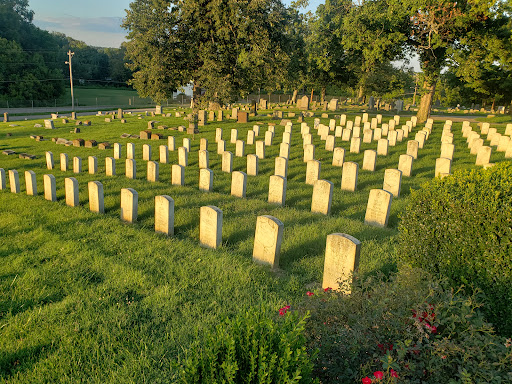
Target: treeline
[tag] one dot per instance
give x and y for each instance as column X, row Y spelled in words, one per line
column 32, row 60
column 229, row 48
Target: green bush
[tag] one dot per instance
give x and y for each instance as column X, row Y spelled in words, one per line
column 255, row 347
column 408, row 329
column 461, row 227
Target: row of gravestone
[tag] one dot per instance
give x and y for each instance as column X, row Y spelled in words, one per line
column 341, row 255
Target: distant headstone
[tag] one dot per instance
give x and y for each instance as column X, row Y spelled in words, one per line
column 252, row 165
column 152, row 171
column 77, row 164
column 369, row 160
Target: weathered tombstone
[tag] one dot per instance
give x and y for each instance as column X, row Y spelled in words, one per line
column 227, row 162
column 447, row 151
column 269, row 135
column 71, row 189
column 420, row 137
column 204, row 159
column 3, row 184
column 163, row 154
column 267, row 241
column 152, row 171
column 485, row 128
column 129, row 205
column 210, row 227
column 333, row 105
column 330, row 143
column 369, row 160
column 287, row 137
column 256, row 129
column 110, row 166
column 284, row 150
column 312, row 171
column 250, row 137
column 281, row 167
column 93, row 165
column 117, row 150
column 475, row 145
column 96, row 200
column 49, row 160
column 503, row 144
column 378, row 208
column 238, row 184
column 405, row 165
column 221, row 147
column 322, row 197
column 392, row 138
column 183, row 156
column 242, row 117
column 412, row 148
column 260, row 149
column 48, row 124
column 382, row 147
column 218, row 134
column 171, row 143
column 30, row 183
column 307, row 139
column 483, row 155
column 392, row 181
column 341, row 261
column 205, row 180
column 349, row 176
column 277, row 190
column 131, row 169
column 178, row 175
column 309, row 152
column 240, row 148
column 367, row 136
column 164, row 215
column 443, row 167
column 303, row 103
column 146, row 152
column 252, row 165
column 63, row 162
column 130, row 151
column 77, row 164
column 50, row 187
column 355, row 145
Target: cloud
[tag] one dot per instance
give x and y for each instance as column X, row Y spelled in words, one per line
column 96, row 31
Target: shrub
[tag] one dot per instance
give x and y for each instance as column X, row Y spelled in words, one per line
column 461, row 226
column 408, row 329
column 254, row 347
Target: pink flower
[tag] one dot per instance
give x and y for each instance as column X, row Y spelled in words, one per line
column 309, row 293
column 378, row 375
column 282, row 311
column 393, row 373
column 367, row 380
column 327, row 289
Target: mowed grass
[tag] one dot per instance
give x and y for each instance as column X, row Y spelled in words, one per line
column 106, row 96
column 85, row 297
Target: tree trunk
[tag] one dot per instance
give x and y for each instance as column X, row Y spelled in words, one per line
column 493, row 104
column 322, row 96
column 311, row 98
column 426, row 101
column 294, row 96
column 360, row 93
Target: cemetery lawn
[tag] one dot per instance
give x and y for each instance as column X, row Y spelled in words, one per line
column 85, row 297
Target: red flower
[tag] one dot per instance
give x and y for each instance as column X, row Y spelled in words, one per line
column 309, row 293
column 282, row 311
column 367, row 380
column 381, row 347
column 393, row 373
column 378, row 375
column 327, row 289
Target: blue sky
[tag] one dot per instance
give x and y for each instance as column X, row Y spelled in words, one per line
column 96, row 22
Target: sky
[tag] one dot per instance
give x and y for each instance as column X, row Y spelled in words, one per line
column 95, row 22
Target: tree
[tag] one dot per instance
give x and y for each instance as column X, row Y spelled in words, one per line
column 225, row 47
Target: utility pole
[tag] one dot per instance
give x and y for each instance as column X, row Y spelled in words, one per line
column 70, row 55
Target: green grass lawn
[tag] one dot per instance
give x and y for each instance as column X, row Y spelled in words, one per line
column 85, row 297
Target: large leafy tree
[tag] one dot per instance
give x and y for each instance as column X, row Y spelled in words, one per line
column 225, row 47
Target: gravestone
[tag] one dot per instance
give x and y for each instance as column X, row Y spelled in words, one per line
column 234, row 136
column 330, row 143
column 256, row 129
column 303, row 103
column 267, row 241
column 355, row 145
column 182, row 156
column 420, row 137
column 221, row 147
column 287, row 137
column 378, row 208
column 49, row 160
column 284, row 150
column 277, row 190
column 218, row 134
column 503, row 144
column 77, row 164
column 71, row 190
column 152, row 171
column 405, row 165
column 6, row 117
column 14, row 181
column 392, row 181
column 164, row 215
column 205, row 180
column 227, row 162
column 171, row 143
column 30, row 183
column 242, row 117
column 382, row 147
column 92, row 165
column 338, row 157
column 333, row 105
column 443, row 167
column 210, row 227
column 322, row 197
column 3, row 184
column 447, row 151
column 240, row 148
column 63, row 162
column 483, row 155
column 146, row 152
column 131, row 169
column 186, row 143
column 367, row 136
column 96, row 200
column 312, row 171
column 349, row 176
column 412, row 148
column 252, row 165
column 369, row 160
column 260, row 149
column 203, row 144
column 220, row 115
column 309, row 152
column 130, row 151
column 50, row 187
column 281, row 167
column 269, row 135
column 110, row 166
column 204, row 159
column 177, row 175
column 341, row 261
column 163, row 154
column 117, row 150
column 392, row 138
column 129, row 205
column 48, row 124
column 250, row 137
column 238, row 184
